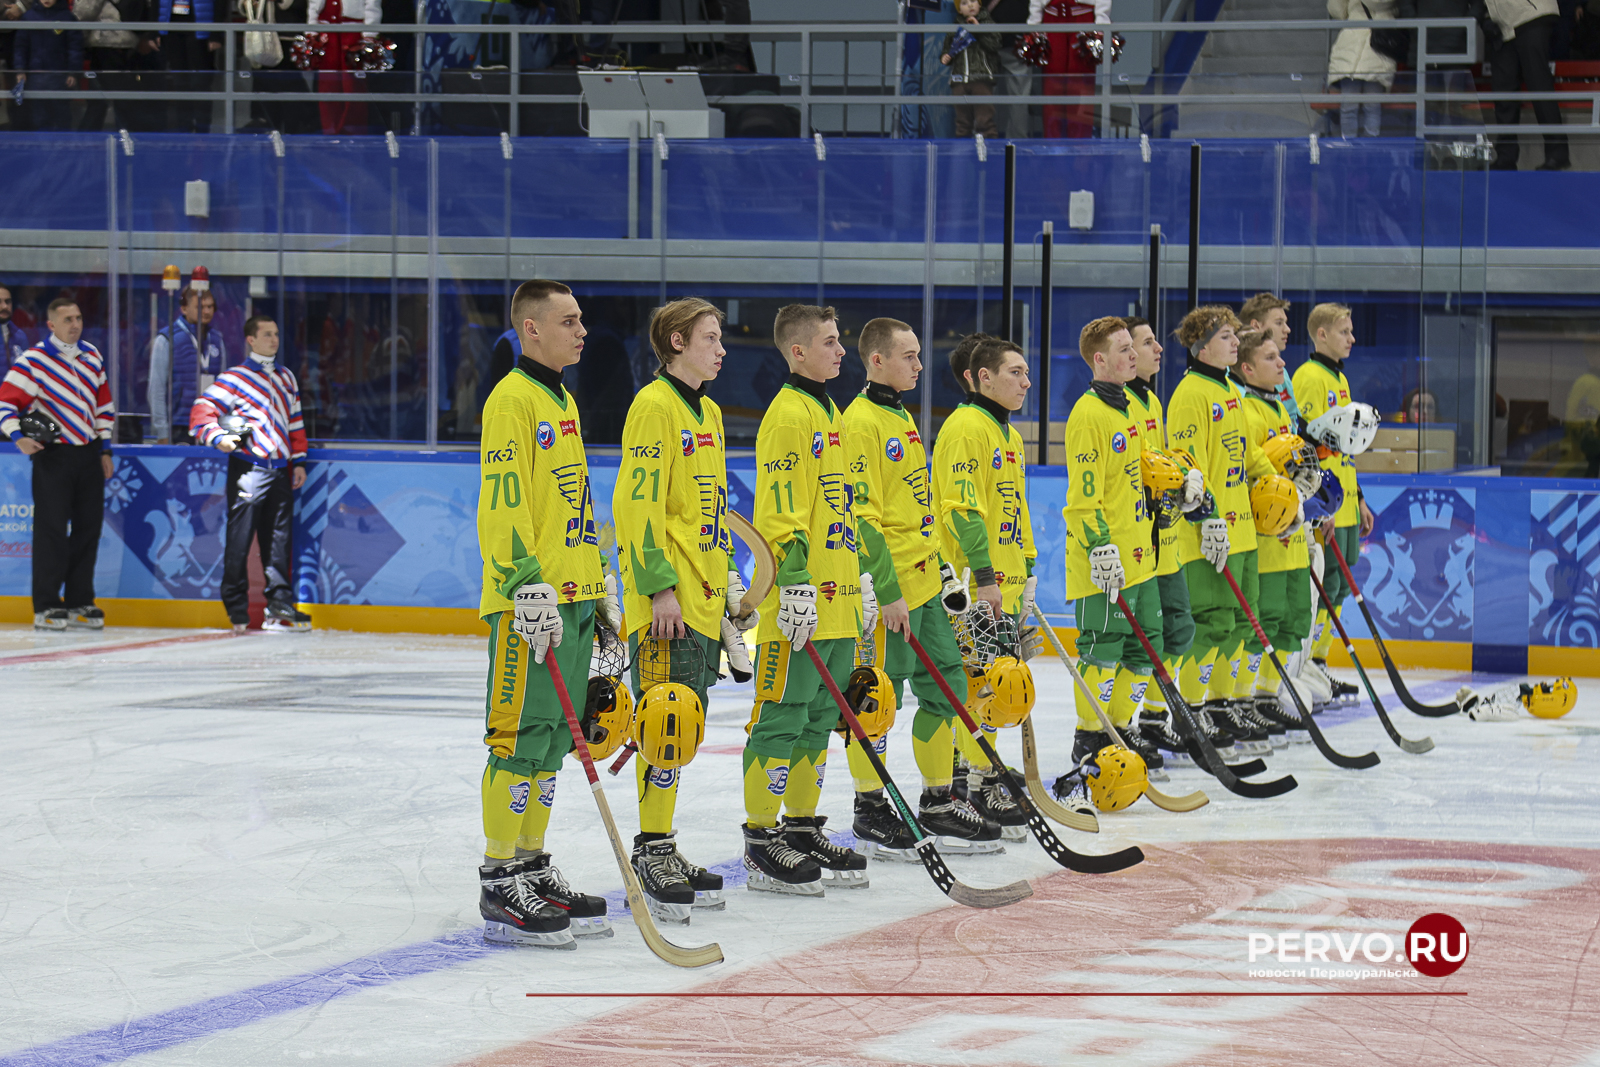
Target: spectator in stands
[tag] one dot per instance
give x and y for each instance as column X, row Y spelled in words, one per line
column 61, row 383
column 333, row 67
column 1071, row 71
column 13, row 338
column 117, row 57
column 189, row 56
column 47, row 61
column 973, row 65
column 177, row 373
column 1356, row 69
column 1460, row 107
column 1016, row 76
column 1419, row 406
column 1518, row 33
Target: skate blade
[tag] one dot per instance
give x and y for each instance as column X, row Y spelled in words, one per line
column 1299, row 737
column 710, row 900
column 1177, row 759
column 668, row 912
column 271, row 626
column 598, row 926
column 872, row 850
column 1013, row 833
column 99, row 625
column 502, row 934
column 960, row 846
column 833, row 879
column 1157, row 774
column 759, row 882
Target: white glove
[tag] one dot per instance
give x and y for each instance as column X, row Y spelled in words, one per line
column 797, row 614
column 956, row 595
column 1194, row 487
column 869, row 605
column 1105, row 570
column 1030, row 590
column 1315, row 551
column 738, row 653
column 607, row 609
column 736, row 594
column 536, row 618
column 1214, row 543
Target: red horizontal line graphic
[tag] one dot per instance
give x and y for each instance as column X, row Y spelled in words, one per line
column 67, row 653
column 690, row 995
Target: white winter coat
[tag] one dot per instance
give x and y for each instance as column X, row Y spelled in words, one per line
column 1509, row 14
column 1352, row 55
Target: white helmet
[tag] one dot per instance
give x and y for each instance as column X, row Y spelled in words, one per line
column 1348, row 429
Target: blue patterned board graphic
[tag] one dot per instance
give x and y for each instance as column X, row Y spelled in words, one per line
column 1564, row 571
column 1416, row 567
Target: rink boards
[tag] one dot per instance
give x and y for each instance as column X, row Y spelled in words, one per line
column 1462, row 572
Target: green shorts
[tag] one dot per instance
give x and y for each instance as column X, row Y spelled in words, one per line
column 1286, row 608
column 931, row 624
column 1349, row 540
column 1177, row 624
column 524, row 724
column 1219, row 622
column 698, row 673
column 1106, row 638
column 794, row 710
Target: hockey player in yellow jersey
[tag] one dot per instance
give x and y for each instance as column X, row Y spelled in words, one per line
column 673, row 552
column 1320, row 386
column 900, row 549
column 985, row 531
column 803, row 509
column 1206, row 418
column 1110, row 544
column 543, row 585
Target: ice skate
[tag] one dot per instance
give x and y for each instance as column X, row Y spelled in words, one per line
column 667, row 892
column 777, row 867
column 1156, row 728
column 880, row 834
column 588, row 913
column 51, row 619
column 1220, row 739
column 1246, row 738
column 1279, row 708
column 707, row 886
column 1341, row 694
column 1154, row 761
column 991, row 799
column 842, row 868
column 86, row 618
column 283, row 617
column 956, row 825
column 514, row 915
column 1315, row 684
column 1276, row 733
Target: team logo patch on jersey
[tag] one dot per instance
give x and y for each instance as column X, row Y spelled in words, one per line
column 916, row 438
column 1105, row 690
column 829, row 590
column 777, row 780
column 547, row 791
column 705, row 588
column 1333, row 399
column 569, row 590
column 502, row 455
column 569, row 426
column 816, row 444
column 880, row 746
column 1149, row 425
column 662, row 777
column 1138, row 554
column 705, row 440
column 833, row 438
column 688, row 442
column 1119, row 443
column 1216, row 412
column 1271, row 433
column 1136, row 691
column 997, row 460
column 1011, row 457
column 1233, row 403
column 894, row 450
column 519, row 797
column 1232, row 517
column 547, row 435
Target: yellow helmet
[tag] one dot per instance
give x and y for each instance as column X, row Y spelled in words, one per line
column 870, row 694
column 1121, row 781
column 1159, row 472
column 1013, row 692
column 1550, row 700
column 607, row 716
column 1182, row 457
column 979, row 692
column 669, row 725
column 1283, row 449
column 1274, row 503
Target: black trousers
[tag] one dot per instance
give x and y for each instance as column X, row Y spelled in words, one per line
column 1526, row 59
column 192, row 66
column 69, row 487
column 268, row 520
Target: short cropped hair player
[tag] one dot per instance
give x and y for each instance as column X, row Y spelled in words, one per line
column 985, row 532
column 1269, row 314
column 265, row 441
column 803, row 509
column 543, row 585
column 1110, row 544
column 1330, row 419
column 679, row 587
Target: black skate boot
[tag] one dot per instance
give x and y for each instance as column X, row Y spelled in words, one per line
column 1153, row 760
column 1344, row 694
column 991, row 799
column 666, row 891
column 956, row 824
column 88, row 617
column 1279, row 708
column 283, row 617
column 842, row 868
column 775, row 866
column 1277, row 736
column 514, row 915
column 1155, row 728
column 1226, row 714
column 1085, row 743
column 879, row 832
column 1220, row 739
column 706, row 885
column 588, row 913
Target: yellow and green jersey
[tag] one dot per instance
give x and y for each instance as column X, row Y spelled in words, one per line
column 893, row 508
column 535, row 512
column 980, row 487
column 1206, row 417
column 1319, row 384
column 671, row 507
column 803, row 509
column 1105, row 491
column 1267, row 417
column 1146, row 406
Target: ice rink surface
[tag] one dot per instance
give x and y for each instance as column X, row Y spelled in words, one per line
column 264, row 850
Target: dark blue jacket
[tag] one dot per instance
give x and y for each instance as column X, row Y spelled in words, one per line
column 201, row 10
column 13, row 342
column 55, row 54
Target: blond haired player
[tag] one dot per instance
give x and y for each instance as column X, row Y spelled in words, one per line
column 673, row 551
column 543, row 585
column 803, row 509
column 985, row 532
column 1319, row 386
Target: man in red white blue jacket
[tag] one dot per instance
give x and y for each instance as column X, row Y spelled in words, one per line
column 266, row 457
column 55, row 405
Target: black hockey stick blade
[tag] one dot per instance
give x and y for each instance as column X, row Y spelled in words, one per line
column 947, row 883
